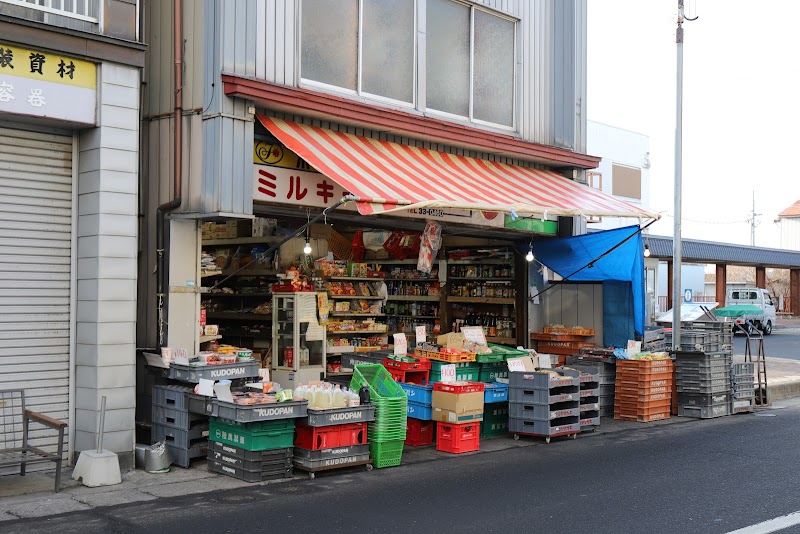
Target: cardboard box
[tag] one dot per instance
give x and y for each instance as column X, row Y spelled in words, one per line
column 207, row 230
column 451, row 340
column 457, row 408
column 263, row 227
column 231, row 229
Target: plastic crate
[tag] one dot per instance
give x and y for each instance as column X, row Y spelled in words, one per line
column 171, row 397
column 229, row 371
column 589, row 392
column 495, row 392
column 744, row 394
column 704, row 412
column 437, row 366
column 607, row 390
column 177, row 437
column 419, row 432
column 337, row 416
column 643, row 377
column 421, row 394
column 418, row 364
column 260, row 455
column 491, row 372
column 412, row 377
column 644, row 365
column 658, row 416
column 560, row 427
column 336, row 452
column 469, row 373
column 327, row 437
column 419, row 411
column 689, row 399
column 459, row 387
column 182, row 457
column 590, row 421
column 642, row 408
column 350, row 360
column 743, row 405
column 377, row 378
column 173, row 417
column 199, row 404
column 539, row 412
column 684, row 357
column 250, row 476
column 634, row 389
column 543, row 379
column 253, row 464
column 339, row 461
column 589, row 407
column 636, row 397
column 452, row 357
column 387, row 453
column 241, row 413
column 702, row 375
column 745, row 368
column 457, row 439
column 253, row 436
column 543, row 396
column 494, row 428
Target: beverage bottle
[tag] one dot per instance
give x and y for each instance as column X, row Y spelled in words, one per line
column 363, row 395
column 338, row 397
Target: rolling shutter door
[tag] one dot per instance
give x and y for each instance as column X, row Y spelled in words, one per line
column 35, row 259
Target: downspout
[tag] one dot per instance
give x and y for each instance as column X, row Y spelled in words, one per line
column 161, row 272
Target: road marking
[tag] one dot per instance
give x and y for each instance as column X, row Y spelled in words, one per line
column 773, row 525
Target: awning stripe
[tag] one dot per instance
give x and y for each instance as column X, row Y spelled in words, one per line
column 386, row 176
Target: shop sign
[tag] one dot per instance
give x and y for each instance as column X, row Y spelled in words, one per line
column 44, row 84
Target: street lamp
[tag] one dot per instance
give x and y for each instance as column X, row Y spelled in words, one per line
column 676, row 240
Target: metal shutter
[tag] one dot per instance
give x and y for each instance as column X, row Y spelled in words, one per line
column 35, row 259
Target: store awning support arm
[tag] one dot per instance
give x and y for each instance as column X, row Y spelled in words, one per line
column 300, row 231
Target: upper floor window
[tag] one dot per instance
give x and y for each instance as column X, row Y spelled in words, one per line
column 85, row 10
column 369, row 48
column 626, row 181
column 595, row 180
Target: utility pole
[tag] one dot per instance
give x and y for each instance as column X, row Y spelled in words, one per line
column 753, row 222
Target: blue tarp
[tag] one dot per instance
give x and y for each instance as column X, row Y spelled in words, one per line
column 621, row 271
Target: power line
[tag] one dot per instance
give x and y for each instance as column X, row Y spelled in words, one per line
column 740, row 221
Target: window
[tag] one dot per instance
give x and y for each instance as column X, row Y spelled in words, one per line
column 595, row 180
column 331, row 42
column 626, row 181
column 368, row 48
column 470, row 63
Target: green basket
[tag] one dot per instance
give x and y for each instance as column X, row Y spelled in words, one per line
column 377, row 378
column 470, row 374
column 256, row 436
column 387, row 453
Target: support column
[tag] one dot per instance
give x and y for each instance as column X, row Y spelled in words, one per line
column 669, row 285
column 794, row 291
column 761, row 277
column 721, row 283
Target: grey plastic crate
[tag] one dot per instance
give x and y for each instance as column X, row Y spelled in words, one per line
column 542, row 380
column 183, row 457
column 351, row 359
column 538, row 412
column 704, row 383
column 227, row 371
column 590, row 420
column 704, row 412
column 749, row 383
column 590, row 407
column 703, row 389
column 338, row 416
column 255, row 464
column 543, row 396
column 178, row 437
column 567, row 426
column 743, row 405
column 240, row 413
column 744, row 394
column 199, row 403
column 171, row 396
column 703, row 375
column 250, row 476
column 597, row 369
column 244, row 454
column 701, row 358
column 689, row 399
column 585, row 393
column 340, row 461
column 743, row 368
column 653, row 333
column 336, row 452
column 173, row 417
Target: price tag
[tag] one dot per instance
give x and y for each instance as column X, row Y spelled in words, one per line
column 544, row 361
column 634, row 347
column 448, row 373
column 474, row 334
column 420, row 331
column 400, row 344
column 515, row 364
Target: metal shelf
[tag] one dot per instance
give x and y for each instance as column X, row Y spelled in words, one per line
column 482, row 300
column 481, row 261
column 410, row 298
column 418, row 316
column 480, row 279
column 240, row 316
column 348, row 332
column 206, row 339
column 356, row 314
column 414, row 280
column 242, row 241
column 239, row 295
column 357, row 278
column 354, row 297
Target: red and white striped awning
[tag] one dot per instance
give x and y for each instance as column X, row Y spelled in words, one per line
column 385, row 177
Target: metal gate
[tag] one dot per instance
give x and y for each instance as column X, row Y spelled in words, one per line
column 35, row 270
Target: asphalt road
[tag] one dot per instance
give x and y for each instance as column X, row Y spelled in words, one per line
column 784, row 342
column 711, row 476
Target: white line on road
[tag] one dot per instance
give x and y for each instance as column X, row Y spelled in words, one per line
column 773, row 525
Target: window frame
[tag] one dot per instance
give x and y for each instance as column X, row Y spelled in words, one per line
column 590, row 176
column 359, row 92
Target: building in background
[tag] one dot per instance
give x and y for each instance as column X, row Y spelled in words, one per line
column 789, row 222
column 69, row 161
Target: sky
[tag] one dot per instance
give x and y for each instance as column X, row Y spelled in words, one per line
column 741, row 83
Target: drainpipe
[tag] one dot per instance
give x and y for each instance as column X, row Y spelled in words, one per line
column 161, row 271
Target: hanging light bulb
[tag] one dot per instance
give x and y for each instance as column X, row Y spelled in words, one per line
column 529, row 255
column 646, row 250
column 307, row 248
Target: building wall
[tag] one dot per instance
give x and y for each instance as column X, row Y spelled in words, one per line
column 790, row 233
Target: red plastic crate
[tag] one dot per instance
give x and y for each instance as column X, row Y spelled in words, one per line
column 465, row 437
column 410, row 377
column 326, row 437
column 418, row 432
column 459, row 387
column 419, row 364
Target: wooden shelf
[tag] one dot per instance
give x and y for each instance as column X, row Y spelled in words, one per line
column 414, row 280
column 411, row 298
column 238, row 295
column 210, row 272
column 353, row 297
column 482, row 300
column 482, row 261
column 242, row 241
column 356, row 314
column 248, row 333
column 478, row 279
column 206, row 339
column 356, row 278
column 240, row 316
column 502, row 340
column 417, row 316
column 348, row 332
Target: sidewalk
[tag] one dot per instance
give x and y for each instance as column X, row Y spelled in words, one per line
column 33, row 496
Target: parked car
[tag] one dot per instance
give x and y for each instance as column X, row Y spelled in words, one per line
column 763, row 316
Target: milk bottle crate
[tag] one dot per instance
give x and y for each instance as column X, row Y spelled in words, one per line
column 176, row 418
column 419, row 411
column 335, row 452
column 171, row 397
column 247, row 413
column 229, row 371
column 336, row 416
column 558, row 427
column 331, row 463
column 277, row 434
column 271, row 473
column 327, row 437
column 458, row 438
column 177, row 437
column 263, row 455
column 418, row 393
column 419, row 432
column 495, row 392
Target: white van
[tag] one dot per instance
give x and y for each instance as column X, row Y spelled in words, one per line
column 759, row 298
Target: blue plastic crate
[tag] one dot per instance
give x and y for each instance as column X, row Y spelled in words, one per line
column 495, row 392
column 418, row 393
column 420, row 411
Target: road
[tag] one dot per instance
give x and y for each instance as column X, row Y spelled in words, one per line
column 711, row 476
column 784, row 342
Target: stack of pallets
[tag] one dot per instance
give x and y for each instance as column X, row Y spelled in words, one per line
column 704, row 384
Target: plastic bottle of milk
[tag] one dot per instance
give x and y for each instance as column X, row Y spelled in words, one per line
column 338, row 397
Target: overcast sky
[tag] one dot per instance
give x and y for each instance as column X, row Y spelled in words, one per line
column 740, row 106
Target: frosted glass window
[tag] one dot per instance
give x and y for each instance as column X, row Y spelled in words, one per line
column 447, row 57
column 330, row 42
column 387, row 57
column 493, row 90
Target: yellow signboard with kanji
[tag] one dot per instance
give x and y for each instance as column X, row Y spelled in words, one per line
column 47, row 66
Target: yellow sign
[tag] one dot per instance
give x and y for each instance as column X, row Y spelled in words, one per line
column 277, row 155
column 47, row 66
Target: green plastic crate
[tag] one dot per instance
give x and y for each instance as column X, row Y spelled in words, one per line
column 380, row 382
column 436, row 366
column 495, row 419
column 470, row 374
column 498, row 428
column 253, row 436
column 387, row 453
column 490, row 372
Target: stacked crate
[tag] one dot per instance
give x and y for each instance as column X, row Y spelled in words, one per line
column 388, row 432
column 743, row 384
column 420, row 428
column 495, row 410
column 408, row 369
column 458, row 409
column 704, row 384
column 602, row 363
column 466, row 371
column 332, row 438
column 544, row 403
column 185, row 433
column 590, row 397
column 643, row 390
